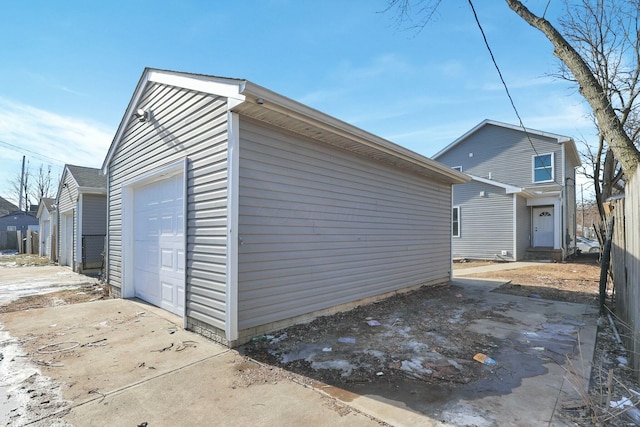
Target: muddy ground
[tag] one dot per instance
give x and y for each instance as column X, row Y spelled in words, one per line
column 446, row 365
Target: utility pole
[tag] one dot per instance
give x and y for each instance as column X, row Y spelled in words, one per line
column 21, row 186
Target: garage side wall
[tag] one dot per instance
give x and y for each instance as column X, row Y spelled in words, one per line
column 67, row 204
column 183, row 124
column 486, row 222
column 320, row 227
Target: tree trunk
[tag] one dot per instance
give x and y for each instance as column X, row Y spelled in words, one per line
column 608, row 122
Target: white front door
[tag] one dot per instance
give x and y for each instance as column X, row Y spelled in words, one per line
column 158, row 247
column 543, row 226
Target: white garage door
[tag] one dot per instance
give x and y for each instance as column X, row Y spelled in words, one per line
column 158, row 252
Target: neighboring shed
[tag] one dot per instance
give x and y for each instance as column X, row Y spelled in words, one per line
column 81, row 204
column 244, row 211
column 48, row 221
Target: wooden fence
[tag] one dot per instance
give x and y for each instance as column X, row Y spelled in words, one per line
column 28, row 242
column 625, row 266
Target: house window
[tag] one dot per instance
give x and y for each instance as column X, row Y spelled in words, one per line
column 11, row 228
column 543, row 168
column 455, row 221
column 457, row 168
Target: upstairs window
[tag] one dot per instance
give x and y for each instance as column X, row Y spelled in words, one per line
column 543, row 168
column 455, row 221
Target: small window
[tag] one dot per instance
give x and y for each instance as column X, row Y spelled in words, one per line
column 543, row 168
column 455, row 221
column 457, row 168
column 11, row 228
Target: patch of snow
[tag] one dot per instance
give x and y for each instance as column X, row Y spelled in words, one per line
column 342, row 365
column 416, row 347
column 466, row 416
column 19, row 381
column 414, row 366
column 620, row 404
column 280, row 338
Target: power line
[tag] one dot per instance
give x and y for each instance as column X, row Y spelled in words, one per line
column 21, row 150
column 506, row 88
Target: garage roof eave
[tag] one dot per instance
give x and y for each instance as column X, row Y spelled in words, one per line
column 267, row 106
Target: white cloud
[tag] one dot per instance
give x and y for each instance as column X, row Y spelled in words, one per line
column 48, row 138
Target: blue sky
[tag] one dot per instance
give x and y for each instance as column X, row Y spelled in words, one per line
column 68, row 68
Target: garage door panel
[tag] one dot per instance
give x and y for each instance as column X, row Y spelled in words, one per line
column 159, row 243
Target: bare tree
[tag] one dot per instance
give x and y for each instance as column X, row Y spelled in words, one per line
column 32, row 187
column 605, row 34
column 43, row 185
column 605, row 66
column 609, row 124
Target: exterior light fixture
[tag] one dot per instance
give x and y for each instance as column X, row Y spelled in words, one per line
column 142, row 115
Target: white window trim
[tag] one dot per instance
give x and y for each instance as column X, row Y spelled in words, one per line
column 533, row 168
column 459, row 222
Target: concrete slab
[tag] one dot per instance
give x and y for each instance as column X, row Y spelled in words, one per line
column 495, row 267
column 538, row 345
column 18, row 282
column 204, row 393
column 122, row 362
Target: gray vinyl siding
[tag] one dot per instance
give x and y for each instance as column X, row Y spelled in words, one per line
column 486, row 222
column 504, row 154
column 320, row 227
column 94, row 214
column 185, row 124
column 523, row 226
column 66, row 202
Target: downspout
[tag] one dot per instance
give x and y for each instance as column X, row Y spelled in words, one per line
column 105, row 260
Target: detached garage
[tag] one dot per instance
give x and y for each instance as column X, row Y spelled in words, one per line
column 243, row 211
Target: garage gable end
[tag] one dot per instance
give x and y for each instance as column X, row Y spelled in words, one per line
column 183, row 127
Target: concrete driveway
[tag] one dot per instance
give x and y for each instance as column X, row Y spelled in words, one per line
column 122, row 362
column 16, row 282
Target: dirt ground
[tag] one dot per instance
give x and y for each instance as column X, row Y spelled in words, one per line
column 54, row 299
column 575, row 281
column 447, row 363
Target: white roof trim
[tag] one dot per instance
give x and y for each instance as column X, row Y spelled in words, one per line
column 509, row 188
column 220, row 86
column 279, row 103
column 230, row 88
column 242, row 92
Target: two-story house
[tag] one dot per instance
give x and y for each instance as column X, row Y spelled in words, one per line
column 521, row 202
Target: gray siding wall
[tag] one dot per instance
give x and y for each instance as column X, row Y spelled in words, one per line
column 523, row 226
column 67, row 202
column 505, row 154
column 486, row 222
column 185, row 124
column 320, row 227
column 94, row 214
